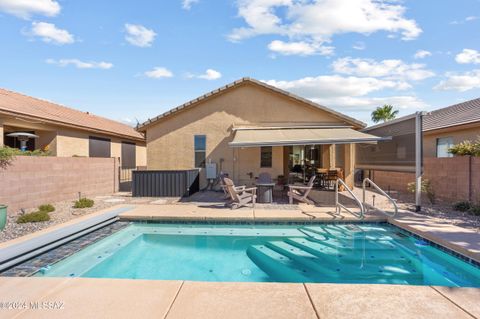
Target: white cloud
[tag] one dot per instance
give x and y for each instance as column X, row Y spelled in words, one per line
column 139, row 36
column 359, row 45
column 467, row 19
column 26, row 8
column 391, row 69
column 420, row 54
column 159, row 72
column 299, row 48
column 318, row 21
column 367, row 104
column 49, row 33
column 81, row 64
column 328, row 86
column 468, row 56
column 460, row 81
column 350, row 94
column 187, row 4
column 210, row 74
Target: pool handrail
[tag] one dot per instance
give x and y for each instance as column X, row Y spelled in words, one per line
column 381, row 191
column 338, row 206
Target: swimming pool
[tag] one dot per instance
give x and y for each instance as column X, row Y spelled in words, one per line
column 333, row 253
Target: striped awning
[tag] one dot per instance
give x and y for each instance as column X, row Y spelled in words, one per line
column 251, row 137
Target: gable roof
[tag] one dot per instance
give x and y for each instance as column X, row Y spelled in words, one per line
column 458, row 114
column 195, row 102
column 16, row 104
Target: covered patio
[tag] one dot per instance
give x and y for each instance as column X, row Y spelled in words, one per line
column 293, row 154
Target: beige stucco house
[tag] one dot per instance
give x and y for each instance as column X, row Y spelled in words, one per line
column 451, row 125
column 248, row 127
column 67, row 132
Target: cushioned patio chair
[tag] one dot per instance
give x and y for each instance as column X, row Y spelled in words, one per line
column 300, row 192
column 240, row 195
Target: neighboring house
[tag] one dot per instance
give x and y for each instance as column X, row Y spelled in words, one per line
column 66, row 132
column 248, row 127
column 451, row 125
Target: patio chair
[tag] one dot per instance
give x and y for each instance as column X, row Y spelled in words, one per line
column 300, row 192
column 240, row 195
column 224, row 186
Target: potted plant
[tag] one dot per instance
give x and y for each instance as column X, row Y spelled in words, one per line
column 3, row 216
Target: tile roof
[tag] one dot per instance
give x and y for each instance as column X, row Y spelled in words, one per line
column 458, row 114
column 194, row 102
column 22, row 105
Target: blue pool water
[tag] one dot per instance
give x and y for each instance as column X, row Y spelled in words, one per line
column 335, row 253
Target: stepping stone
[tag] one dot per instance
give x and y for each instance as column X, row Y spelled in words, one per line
column 139, row 201
column 102, row 197
column 114, row 200
column 159, row 202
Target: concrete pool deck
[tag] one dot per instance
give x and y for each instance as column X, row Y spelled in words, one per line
column 126, row 298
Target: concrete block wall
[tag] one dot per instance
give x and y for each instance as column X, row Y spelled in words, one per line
column 452, row 179
column 32, row 181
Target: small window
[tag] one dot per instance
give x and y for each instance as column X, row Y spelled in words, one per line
column 443, row 144
column 266, row 156
column 99, row 147
column 200, row 147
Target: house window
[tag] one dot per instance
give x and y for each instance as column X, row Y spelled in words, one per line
column 200, row 147
column 266, row 156
column 443, row 144
column 99, row 147
column 129, row 155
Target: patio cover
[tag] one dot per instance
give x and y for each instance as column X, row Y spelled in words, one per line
column 254, row 137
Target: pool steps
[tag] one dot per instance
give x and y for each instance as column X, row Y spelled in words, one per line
column 328, row 253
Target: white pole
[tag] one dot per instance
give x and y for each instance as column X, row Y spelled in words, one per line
column 418, row 161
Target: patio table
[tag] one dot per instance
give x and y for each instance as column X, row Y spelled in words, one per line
column 265, row 192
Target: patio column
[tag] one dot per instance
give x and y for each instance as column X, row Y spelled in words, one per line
column 1, row 133
column 333, row 159
column 328, row 155
column 349, row 169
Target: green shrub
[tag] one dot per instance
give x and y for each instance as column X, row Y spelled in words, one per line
column 84, row 203
column 426, row 188
column 475, row 210
column 7, row 155
column 46, row 208
column 38, row 216
column 466, row 148
column 462, row 206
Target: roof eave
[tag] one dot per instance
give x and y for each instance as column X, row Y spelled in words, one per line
column 79, row 127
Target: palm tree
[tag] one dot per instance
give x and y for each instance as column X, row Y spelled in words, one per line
column 384, row 113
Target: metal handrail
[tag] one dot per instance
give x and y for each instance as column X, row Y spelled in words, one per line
column 364, row 185
column 339, row 206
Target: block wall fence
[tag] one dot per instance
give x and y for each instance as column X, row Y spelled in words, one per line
column 452, row 179
column 32, row 181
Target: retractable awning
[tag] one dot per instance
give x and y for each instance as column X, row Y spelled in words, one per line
column 254, row 137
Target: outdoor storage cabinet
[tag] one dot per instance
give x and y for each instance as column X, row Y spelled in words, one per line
column 176, row 183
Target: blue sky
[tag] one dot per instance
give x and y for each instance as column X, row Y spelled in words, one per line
column 132, row 60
